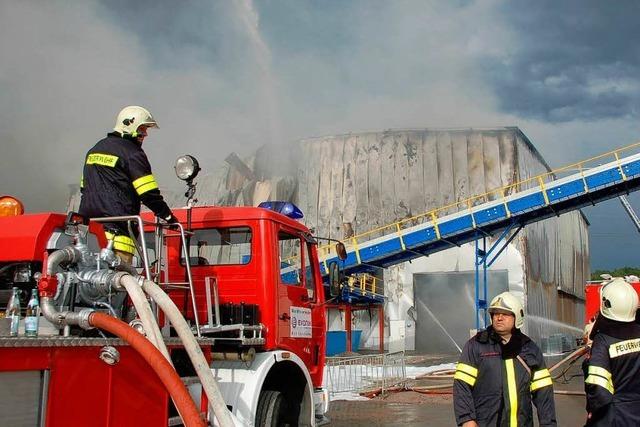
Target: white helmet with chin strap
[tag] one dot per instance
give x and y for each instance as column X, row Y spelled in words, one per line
column 131, row 118
column 619, row 301
column 506, row 301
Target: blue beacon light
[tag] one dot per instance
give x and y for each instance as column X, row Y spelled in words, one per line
column 285, row 208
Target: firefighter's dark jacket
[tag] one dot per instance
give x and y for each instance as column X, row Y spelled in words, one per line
column 494, row 384
column 612, row 374
column 117, row 178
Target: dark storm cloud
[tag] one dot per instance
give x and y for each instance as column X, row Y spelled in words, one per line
column 569, row 60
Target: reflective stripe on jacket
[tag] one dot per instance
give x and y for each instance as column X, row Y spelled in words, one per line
column 116, row 179
column 612, row 376
column 495, row 390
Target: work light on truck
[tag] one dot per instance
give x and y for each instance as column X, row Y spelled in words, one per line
column 187, row 167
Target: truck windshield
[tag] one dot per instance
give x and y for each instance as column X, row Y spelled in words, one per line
column 220, row 246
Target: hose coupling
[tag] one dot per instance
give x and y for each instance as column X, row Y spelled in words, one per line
column 83, row 318
column 109, row 355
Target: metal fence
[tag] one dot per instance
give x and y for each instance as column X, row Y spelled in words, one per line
column 365, row 373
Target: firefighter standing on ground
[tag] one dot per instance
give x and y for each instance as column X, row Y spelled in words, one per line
column 500, row 372
column 612, row 372
column 117, row 178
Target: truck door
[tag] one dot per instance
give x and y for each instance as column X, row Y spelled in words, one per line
column 298, row 329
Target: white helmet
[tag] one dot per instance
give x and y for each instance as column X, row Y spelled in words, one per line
column 508, row 302
column 619, row 301
column 132, row 117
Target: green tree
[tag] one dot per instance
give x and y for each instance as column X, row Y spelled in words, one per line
column 618, row 272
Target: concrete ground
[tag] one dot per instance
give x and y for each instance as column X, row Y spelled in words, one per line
column 410, row 408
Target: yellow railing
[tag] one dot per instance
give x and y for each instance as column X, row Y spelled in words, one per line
column 353, row 242
column 365, row 283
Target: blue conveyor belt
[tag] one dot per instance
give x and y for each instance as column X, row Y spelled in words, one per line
column 552, row 198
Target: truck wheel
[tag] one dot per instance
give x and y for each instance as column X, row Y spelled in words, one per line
column 271, row 409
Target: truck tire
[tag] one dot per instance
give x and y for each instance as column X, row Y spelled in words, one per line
column 271, row 409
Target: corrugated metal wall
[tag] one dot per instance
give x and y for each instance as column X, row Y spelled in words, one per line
column 359, row 182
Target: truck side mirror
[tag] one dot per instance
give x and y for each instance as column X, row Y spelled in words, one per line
column 335, row 279
column 341, row 251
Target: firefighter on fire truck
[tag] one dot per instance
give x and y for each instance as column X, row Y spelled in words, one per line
column 117, row 178
column 612, row 372
column 500, row 372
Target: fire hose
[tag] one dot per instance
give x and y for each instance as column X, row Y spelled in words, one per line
column 144, row 311
column 169, row 377
column 447, row 374
column 209, row 385
column 579, row 352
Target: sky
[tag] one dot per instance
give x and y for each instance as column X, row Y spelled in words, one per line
column 232, row 75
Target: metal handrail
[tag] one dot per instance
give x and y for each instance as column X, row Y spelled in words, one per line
column 141, row 223
column 359, row 373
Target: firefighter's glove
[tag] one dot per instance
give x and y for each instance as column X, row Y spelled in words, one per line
column 173, row 222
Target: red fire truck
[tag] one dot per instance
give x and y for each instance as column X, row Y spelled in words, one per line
column 247, row 345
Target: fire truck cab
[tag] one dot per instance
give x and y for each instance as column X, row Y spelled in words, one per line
column 258, row 268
